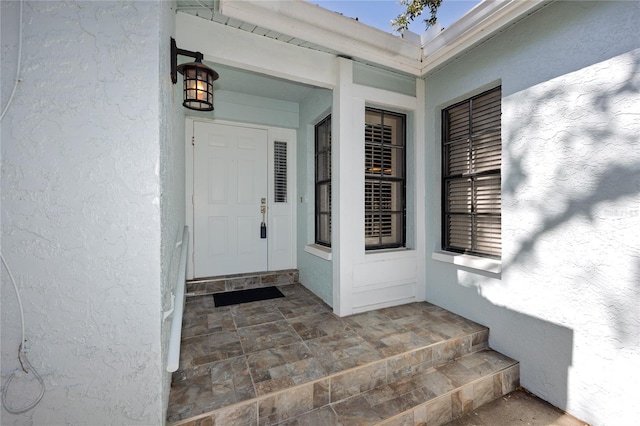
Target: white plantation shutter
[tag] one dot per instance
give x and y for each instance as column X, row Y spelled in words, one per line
column 384, row 191
column 472, row 161
column 280, row 171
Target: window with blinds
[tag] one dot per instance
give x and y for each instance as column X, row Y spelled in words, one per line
column 384, row 175
column 280, row 171
column 323, row 182
column 471, row 170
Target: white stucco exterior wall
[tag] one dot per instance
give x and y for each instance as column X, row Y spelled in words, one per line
column 172, row 182
column 566, row 304
column 81, row 209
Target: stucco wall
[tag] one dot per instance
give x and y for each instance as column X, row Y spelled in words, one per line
column 81, row 210
column 172, row 181
column 567, row 302
column 315, row 272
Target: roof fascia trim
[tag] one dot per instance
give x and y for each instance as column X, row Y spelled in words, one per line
column 329, row 29
column 482, row 22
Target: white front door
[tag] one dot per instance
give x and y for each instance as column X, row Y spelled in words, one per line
column 229, row 184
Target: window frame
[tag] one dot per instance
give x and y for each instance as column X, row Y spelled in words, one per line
column 318, row 184
column 472, row 177
column 400, row 181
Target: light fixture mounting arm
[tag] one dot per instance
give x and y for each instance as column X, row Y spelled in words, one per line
column 198, row 79
column 175, row 51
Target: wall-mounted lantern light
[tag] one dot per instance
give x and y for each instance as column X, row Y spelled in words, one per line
column 198, row 79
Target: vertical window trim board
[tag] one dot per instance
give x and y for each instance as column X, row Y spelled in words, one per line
column 189, row 190
column 356, row 192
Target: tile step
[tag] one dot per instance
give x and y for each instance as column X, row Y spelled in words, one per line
column 291, row 361
column 434, row 397
column 406, row 395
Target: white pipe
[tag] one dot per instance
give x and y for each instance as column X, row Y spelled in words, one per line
column 173, row 357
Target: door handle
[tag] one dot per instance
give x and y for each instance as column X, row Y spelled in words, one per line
column 263, row 225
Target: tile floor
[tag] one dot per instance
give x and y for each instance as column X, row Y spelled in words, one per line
column 250, row 351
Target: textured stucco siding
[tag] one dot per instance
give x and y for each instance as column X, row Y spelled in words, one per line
column 172, row 181
column 567, row 302
column 81, row 210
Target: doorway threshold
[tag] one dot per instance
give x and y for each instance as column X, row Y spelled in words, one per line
column 219, row 284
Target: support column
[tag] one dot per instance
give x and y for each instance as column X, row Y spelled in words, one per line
column 342, row 156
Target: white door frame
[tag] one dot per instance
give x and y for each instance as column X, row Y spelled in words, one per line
column 283, row 260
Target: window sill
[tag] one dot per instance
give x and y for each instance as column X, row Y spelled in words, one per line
column 474, row 262
column 319, row 251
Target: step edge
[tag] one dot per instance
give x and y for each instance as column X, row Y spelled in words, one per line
column 193, row 294
column 256, row 400
column 242, row 275
column 450, row 393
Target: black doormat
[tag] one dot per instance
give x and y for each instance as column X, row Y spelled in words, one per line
column 246, row 296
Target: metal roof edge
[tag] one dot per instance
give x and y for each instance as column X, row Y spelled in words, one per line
column 350, row 38
column 479, row 24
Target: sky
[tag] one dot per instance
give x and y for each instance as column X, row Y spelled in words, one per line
column 379, row 13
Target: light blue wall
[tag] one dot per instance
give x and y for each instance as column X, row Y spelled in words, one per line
column 315, row 273
column 566, row 302
column 239, row 107
column 383, row 79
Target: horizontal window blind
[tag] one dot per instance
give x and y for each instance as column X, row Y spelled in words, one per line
column 471, row 175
